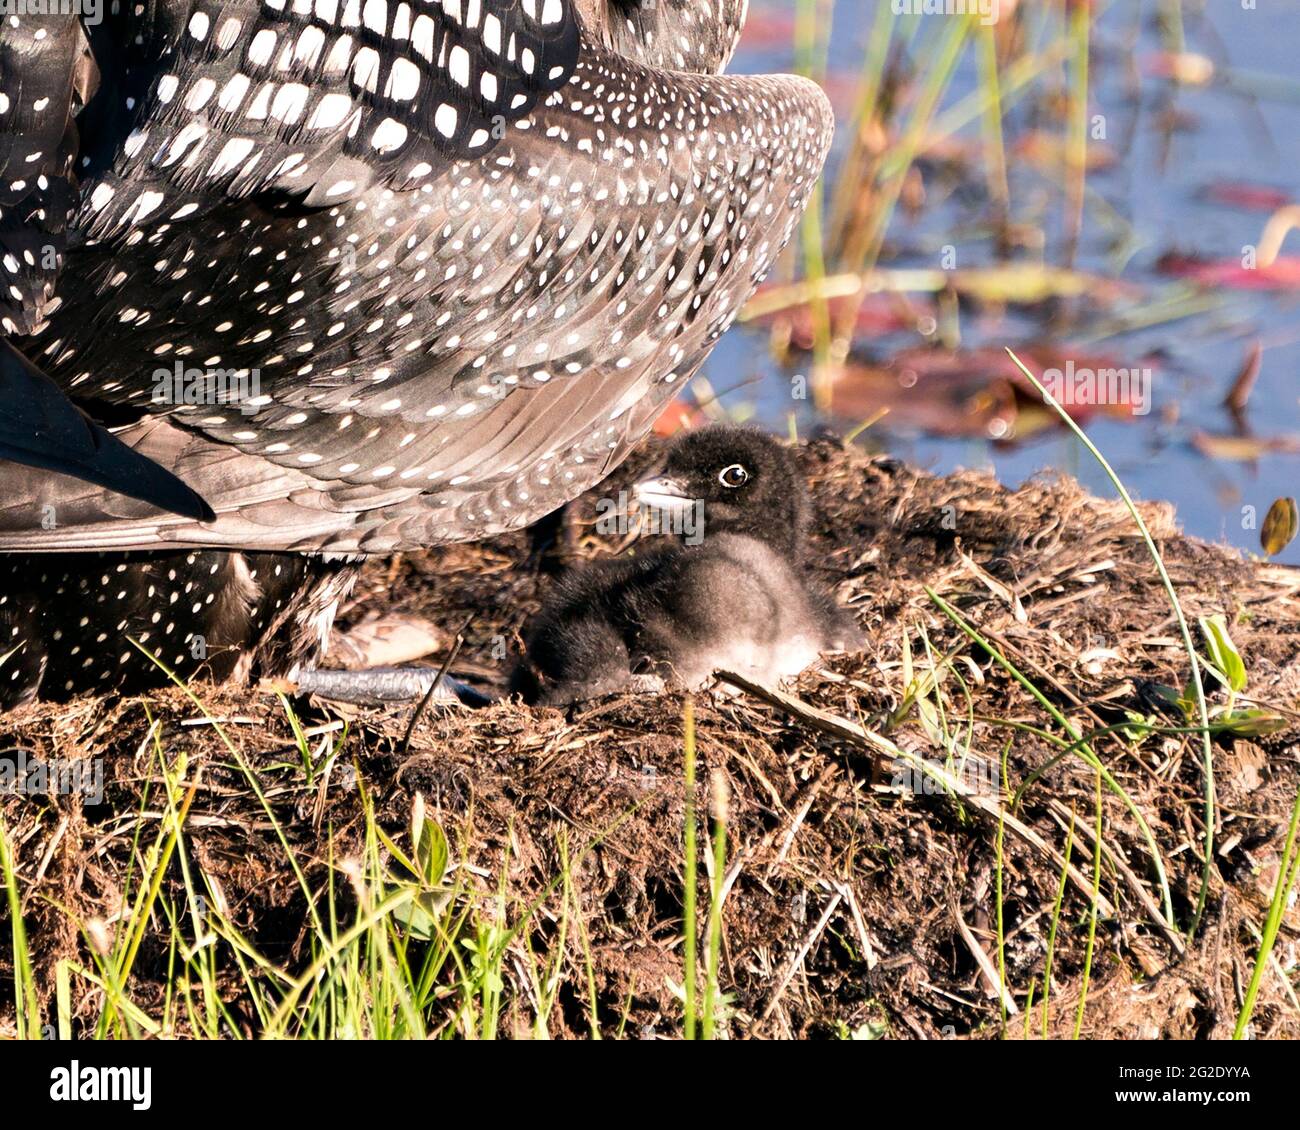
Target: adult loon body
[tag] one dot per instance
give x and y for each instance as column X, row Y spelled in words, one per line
column 362, row 275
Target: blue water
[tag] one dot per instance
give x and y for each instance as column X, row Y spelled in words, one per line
column 1155, row 186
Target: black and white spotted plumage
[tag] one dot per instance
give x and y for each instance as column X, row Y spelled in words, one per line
column 435, row 335
column 67, row 621
column 43, row 79
column 673, row 35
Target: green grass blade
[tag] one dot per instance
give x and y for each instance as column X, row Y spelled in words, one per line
column 1288, row 867
column 27, row 1009
column 1085, row 751
column 1092, row 918
column 1184, row 630
column 689, row 853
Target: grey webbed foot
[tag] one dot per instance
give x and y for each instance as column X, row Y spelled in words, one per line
column 377, row 686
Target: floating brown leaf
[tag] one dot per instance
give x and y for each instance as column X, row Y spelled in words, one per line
column 1279, row 528
column 1244, row 449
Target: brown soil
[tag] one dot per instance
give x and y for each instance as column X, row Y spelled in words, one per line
column 852, row 902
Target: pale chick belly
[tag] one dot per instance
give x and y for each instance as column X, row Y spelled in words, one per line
column 769, row 665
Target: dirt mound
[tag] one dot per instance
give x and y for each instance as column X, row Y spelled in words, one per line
column 860, row 896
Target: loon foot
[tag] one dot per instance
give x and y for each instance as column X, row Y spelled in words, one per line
column 378, row 686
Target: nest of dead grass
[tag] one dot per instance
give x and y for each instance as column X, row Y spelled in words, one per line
column 853, row 903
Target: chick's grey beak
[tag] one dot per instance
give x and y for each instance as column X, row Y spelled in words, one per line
column 669, row 495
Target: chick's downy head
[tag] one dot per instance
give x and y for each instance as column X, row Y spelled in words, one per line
column 745, row 481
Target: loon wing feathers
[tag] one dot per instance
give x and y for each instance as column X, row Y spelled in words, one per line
column 237, row 97
column 316, row 101
column 436, row 359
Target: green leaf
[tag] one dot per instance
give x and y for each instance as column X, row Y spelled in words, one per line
column 926, row 713
column 420, row 916
column 1141, row 725
column 871, row 1030
column 1163, row 693
column 1251, row 723
column 426, row 867
column 428, row 844
column 1224, row 655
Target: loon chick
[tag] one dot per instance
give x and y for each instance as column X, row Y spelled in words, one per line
column 284, row 283
column 732, row 594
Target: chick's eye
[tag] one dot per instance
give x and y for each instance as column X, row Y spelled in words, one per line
column 733, row 476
